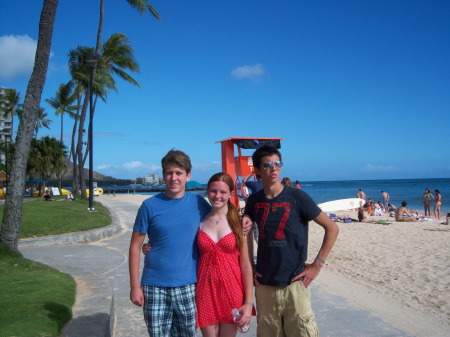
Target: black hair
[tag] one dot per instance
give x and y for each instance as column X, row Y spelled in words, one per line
column 263, row 151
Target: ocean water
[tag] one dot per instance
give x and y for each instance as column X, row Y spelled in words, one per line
column 409, row 190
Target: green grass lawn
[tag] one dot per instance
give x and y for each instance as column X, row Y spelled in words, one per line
column 42, row 218
column 35, row 299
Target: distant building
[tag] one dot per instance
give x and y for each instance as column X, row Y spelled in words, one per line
column 5, row 127
column 152, row 179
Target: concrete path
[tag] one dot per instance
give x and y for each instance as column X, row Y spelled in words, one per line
column 103, row 308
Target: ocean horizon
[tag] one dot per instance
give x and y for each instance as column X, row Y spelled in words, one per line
column 409, row 190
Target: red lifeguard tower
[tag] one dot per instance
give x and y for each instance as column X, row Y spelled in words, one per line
column 241, row 166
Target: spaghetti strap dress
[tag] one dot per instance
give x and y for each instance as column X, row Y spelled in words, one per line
column 219, row 282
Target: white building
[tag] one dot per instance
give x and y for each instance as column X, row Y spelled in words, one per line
column 5, row 127
column 152, row 179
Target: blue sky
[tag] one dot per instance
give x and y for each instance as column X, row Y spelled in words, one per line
column 356, row 89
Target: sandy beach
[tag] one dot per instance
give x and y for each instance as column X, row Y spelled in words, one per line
column 400, row 271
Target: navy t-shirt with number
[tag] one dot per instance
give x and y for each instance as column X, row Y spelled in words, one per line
column 283, row 233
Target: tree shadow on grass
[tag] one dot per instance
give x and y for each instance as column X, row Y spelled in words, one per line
column 59, row 313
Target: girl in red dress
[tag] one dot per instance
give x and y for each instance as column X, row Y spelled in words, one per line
column 224, row 273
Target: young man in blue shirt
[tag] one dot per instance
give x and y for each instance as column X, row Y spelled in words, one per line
column 171, row 220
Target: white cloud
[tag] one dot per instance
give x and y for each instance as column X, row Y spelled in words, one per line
column 133, row 165
column 254, row 72
column 370, row 167
column 17, row 54
column 128, row 170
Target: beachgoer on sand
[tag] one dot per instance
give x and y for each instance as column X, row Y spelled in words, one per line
column 360, row 194
column 254, row 185
column 386, row 197
column 401, row 212
column 286, row 181
column 437, row 204
column 427, row 198
column 362, row 216
column 281, row 275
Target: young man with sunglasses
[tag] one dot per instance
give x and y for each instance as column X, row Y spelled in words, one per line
column 282, row 276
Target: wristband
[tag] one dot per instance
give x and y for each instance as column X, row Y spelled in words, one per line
column 320, row 260
column 249, row 303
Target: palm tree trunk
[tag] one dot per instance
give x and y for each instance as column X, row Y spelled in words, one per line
column 80, row 146
column 12, row 215
column 73, row 149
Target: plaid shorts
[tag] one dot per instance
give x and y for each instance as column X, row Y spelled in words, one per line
column 170, row 311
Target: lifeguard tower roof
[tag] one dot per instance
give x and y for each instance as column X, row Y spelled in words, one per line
column 240, row 166
column 253, row 142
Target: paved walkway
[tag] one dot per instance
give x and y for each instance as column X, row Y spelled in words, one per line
column 103, row 307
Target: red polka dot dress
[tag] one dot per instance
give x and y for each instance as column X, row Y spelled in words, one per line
column 219, row 281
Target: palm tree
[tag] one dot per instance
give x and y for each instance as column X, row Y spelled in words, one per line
column 140, row 5
column 12, row 212
column 63, row 103
column 42, row 121
column 10, row 103
column 46, row 158
column 116, row 59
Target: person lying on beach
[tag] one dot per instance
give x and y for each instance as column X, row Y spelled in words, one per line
column 402, row 211
column 380, row 204
column 362, row 216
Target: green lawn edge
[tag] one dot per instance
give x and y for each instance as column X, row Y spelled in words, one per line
column 44, row 218
column 36, row 299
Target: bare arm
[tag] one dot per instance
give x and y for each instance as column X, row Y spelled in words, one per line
column 331, row 232
column 134, row 256
column 247, row 277
column 244, row 180
column 247, row 224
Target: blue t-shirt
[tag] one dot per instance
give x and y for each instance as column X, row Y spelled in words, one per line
column 171, row 225
column 255, row 185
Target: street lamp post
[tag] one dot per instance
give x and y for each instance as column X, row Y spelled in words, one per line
column 91, row 59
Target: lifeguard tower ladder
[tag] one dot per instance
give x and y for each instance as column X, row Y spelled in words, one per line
column 241, row 166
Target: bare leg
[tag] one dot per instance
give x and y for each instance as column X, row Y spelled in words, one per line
column 228, row 330
column 220, row 330
column 437, row 210
column 210, row 331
